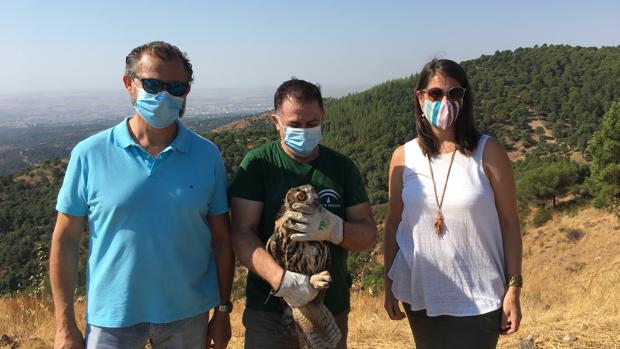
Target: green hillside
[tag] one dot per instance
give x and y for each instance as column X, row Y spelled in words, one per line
column 544, row 103
column 27, row 217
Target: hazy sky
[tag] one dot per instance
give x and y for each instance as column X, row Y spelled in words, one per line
column 81, row 45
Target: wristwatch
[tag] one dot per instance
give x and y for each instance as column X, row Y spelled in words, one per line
column 514, row 280
column 225, row 308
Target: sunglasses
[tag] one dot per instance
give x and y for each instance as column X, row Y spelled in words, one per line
column 453, row 94
column 154, row 86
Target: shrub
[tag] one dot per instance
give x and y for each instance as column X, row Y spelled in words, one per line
column 542, row 216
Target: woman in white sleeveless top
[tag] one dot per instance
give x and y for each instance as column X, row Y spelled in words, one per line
column 452, row 240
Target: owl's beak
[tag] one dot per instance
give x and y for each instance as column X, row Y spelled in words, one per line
column 316, row 202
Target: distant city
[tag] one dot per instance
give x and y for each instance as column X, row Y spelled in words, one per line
column 46, row 126
column 87, row 107
column 69, row 108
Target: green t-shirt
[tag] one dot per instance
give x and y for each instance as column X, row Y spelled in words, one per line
column 266, row 174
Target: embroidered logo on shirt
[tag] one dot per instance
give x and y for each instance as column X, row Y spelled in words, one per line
column 330, row 198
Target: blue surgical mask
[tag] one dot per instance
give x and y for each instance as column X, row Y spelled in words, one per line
column 302, row 141
column 159, row 110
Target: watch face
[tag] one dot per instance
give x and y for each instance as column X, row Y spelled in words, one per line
column 225, row 308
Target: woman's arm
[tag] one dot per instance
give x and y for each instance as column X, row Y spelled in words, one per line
column 498, row 169
column 395, row 210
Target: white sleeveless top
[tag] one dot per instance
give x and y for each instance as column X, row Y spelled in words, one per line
column 460, row 273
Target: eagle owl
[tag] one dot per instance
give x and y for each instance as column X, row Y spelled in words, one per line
column 316, row 327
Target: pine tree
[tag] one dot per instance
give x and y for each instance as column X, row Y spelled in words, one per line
column 547, row 182
column 604, row 182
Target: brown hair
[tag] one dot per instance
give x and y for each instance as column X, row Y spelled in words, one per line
column 467, row 135
column 299, row 90
column 162, row 50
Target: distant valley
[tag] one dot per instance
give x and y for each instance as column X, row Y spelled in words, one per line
column 45, row 126
column 42, row 127
column 26, row 146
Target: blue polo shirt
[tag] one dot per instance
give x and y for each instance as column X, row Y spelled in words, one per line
column 149, row 257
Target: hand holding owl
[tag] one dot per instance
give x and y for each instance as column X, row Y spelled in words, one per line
column 314, row 224
column 299, row 289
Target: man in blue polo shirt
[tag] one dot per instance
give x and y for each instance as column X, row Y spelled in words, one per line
column 153, row 195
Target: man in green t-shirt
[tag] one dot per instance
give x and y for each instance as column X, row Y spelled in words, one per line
column 257, row 192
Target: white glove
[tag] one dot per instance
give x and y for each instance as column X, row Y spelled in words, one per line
column 296, row 289
column 314, row 224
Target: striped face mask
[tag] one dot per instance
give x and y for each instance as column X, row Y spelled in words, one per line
column 442, row 114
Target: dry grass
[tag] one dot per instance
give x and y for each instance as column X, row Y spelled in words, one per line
column 547, row 132
column 243, row 123
column 29, row 322
column 572, row 275
column 571, row 298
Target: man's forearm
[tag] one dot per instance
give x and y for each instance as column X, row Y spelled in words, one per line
column 252, row 254
column 225, row 262
column 221, row 247
column 359, row 236
column 64, row 257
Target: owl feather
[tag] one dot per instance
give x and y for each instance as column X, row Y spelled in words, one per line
column 315, row 324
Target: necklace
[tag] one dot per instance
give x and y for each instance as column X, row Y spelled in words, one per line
column 439, row 223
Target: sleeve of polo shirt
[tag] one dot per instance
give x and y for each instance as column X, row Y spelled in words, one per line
column 72, row 199
column 248, row 181
column 219, row 200
column 354, row 190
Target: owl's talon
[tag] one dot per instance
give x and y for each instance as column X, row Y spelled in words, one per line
column 320, row 280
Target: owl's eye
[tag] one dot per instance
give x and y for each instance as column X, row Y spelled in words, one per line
column 301, row 196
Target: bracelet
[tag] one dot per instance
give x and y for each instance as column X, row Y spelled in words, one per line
column 515, row 280
column 272, row 292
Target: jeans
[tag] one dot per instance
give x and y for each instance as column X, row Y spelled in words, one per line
column 185, row 333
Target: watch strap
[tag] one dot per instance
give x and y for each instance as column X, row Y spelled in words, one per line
column 225, row 308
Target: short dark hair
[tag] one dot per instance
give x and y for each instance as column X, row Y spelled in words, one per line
column 299, row 90
column 163, row 50
column 467, row 135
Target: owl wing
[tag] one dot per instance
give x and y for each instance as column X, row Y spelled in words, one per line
column 275, row 247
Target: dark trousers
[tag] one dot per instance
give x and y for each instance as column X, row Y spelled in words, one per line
column 266, row 330
column 444, row 331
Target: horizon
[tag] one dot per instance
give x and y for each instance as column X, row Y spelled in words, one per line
column 334, row 91
column 72, row 45
column 18, row 110
column 328, row 90
column 203, row 101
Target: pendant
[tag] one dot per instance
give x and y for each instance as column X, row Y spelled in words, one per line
column 439, row 223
